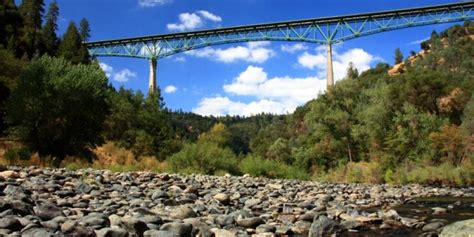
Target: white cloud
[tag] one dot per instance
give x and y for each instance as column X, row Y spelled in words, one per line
column 360, row 58
column 210, row 16
column 153, row 3
column 180, row 59
column 188, row 21
column 280, row 95
column 192, row 21
column 293, row 48
column 253, row 52
column 220, row 106
column 108, row 70
column 124, row 75
column 170, row 89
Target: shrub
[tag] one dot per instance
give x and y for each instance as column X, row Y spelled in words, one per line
column 17, row 154
column 204, row 158
column 257, row 166
column 355, row 172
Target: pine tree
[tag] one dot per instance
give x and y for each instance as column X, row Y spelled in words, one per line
column 84, row 29
column 50, row 39
column 32, row 13
column 10, row 23
column 352, row 72
column 71, row 47
column 398, row 56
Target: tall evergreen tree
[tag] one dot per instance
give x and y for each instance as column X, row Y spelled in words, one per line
column 352, row 72
column 398, row 56
column 84, row 29
column 32, row 13
column 71, row 47
column 50, row 39
column 10, row 22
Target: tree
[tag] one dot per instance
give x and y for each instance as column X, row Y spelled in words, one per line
column 32, row 13
column 398, row 56
column 352, row 72
column 71, row 47
column 50, row 39
column 84, row 29
column 58, row 109
column 10, row 22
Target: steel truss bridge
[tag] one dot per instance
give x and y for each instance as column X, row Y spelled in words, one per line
column 325, row 31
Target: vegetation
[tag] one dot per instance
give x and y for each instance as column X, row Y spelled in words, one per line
column 414, row 127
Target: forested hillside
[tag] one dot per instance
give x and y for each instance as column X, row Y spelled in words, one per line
column 412, row 122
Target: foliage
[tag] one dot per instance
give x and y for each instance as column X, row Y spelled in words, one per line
column 50, row 39
column 58, row 108
column 398, row 56
column 204, row 158
column 71, row 47
column 257, row 166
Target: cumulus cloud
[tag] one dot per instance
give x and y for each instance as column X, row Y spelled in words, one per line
column 192, row 21
column 153, row 3
column 108, row 70
column 254, row 52
column 280, row 95
column 210, row 16
column 124, row 75
column 293, row 48
column 360, row 58
column 170, row 89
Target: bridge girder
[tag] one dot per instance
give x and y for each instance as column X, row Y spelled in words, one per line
column 324, row 31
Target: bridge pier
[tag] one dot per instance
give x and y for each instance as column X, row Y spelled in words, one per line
column 330, row 72
column 152, row 80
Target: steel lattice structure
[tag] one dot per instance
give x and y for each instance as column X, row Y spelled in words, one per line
column 328, row 30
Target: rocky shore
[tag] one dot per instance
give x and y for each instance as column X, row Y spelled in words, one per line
column 58, row 202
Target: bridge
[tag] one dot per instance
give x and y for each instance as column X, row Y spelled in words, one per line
column 326, row 31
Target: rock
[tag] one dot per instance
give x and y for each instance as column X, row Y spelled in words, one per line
column 181, row 229
column 9, row 174
column 11, row 223
column 251, row 222
column 438, row 210
column 159, row 233
column 52, row 225
column 433, row 226
column 222, row 233
column 183, row 212
column 68, row 226
column 112, row 232
column 410, row 222
column 222, row 198
column 301, row 227
column 47, row 211
column 323, row 226
column 252, row 202
column 159, row 194
column 225, row 220
column 389, row 215
column 459, row 229
column 133, row 225
column 265, row 229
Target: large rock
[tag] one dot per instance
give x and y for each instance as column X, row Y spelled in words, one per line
column 9, row 174
column 459, row 229
column 251, row 222
column 181, row 229
column 183, row 212
column 323, row 226
column 112, row 232
column 47, row 211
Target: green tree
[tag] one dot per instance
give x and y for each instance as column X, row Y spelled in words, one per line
column 10, row 24
column 84, row 29
column 398, row 56
column 50, row 39
column 32, row 14
column 58, row 108
column 352, row 72
column 71, row 47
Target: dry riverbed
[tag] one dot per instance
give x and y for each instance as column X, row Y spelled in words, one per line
column 45, row 202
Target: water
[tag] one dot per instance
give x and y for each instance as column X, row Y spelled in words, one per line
column 420, row 208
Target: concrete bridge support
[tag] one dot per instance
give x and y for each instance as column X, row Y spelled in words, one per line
column 152, row 81
column 330, row 72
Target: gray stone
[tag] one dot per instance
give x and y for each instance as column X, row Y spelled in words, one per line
column 159, row 233
column 225, row 220
column 222, row 198
column 133, row 225
column 47, row 211
column 183, row 212
column 112, row 232
column 459, row 229
column 11, row 223
column 433, row 226
column 264, row 228
column 182, row 229
column 323, row 226
column 251, row 222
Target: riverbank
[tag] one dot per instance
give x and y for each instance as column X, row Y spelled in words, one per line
column 97, row 202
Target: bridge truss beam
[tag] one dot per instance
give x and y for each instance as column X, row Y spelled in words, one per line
column 325, row 31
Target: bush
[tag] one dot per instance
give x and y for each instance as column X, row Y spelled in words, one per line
column 257, row 166
column 58, row 108
column 204, row 158
column 17, row 154
column 355, row 172
column 444, row 174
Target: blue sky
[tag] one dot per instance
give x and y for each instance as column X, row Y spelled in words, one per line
column 243, row 78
